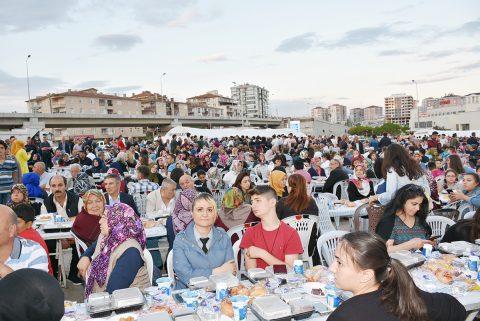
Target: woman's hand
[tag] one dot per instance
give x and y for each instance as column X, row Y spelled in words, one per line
column 83, row 266
column 458, row 196
column 372, row 199
column 417, row 243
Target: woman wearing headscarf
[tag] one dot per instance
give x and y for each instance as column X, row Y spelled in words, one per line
column 31, row 294
column 117, row 261
column 214, row 180
column 359, row 186
column 315, row 166
column 98, row 166
column 19, row 195
column 278, row 181
column 234, row 210
column 87, row 223
column 18, row 150
column 182, row 212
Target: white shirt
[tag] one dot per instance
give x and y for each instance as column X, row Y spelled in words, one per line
column 395, row 182
column 61, row 208
column 111, row 201
column 156, row 206
column 45, row 179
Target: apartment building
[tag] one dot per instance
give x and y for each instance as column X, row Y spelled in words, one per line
column 214, row 103
column 398, row 108
column 252, row 99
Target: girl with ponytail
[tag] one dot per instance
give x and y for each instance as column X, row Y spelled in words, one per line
column 382, row 287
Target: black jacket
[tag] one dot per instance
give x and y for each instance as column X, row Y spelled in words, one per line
column 354, row 194
column 71, row 207
column 360, row 147
column 336, row 175
column 125, row 199
column 384, row 142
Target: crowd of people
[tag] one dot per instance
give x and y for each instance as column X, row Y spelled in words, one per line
column 264, row 180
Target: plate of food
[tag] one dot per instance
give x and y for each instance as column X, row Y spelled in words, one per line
column 45, row 217
column 124, row 317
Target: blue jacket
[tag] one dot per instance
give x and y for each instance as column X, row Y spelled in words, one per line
column 190, row 261
column 474, row 197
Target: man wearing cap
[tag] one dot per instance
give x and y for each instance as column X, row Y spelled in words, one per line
column 15, row 252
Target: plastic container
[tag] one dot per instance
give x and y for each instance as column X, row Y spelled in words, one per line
column 300, row 306
column 191, row 299
column 227, row 278
column 199, row 282
column 165, row 285
column 258, row 273
column 99, row 304
column 239, row 304
column 127, row 300
column 221, row 291
column 427, row 250
column 332, row 296
column 298, row 267
column 156, row 316
column 473, row 262
column 271, row 308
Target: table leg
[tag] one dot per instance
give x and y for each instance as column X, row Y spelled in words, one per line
column 61, row 264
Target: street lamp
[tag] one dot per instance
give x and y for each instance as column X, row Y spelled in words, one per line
column 161, row 84
column 28, row 81
column 418, row 106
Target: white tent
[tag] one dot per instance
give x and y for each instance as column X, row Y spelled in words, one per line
column 232, row 131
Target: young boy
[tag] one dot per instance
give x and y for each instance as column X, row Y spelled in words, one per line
column 25, row 216
column 271, row 241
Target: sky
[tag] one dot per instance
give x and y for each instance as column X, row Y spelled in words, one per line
column 306, row 53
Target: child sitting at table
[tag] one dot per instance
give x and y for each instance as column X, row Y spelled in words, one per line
column 25, row 217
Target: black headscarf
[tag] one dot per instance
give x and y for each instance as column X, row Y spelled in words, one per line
column 30, row 294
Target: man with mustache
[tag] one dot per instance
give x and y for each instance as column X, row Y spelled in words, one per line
column 66, row 204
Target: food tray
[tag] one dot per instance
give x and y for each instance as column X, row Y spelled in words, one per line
column 228, row 278
column 258, row 274
column 271, row 308
column 99, row 304
column 127, row 299
column 408, row 259
column 290, row 316
column 458, row 247
column 200, row 282
column 156, row 316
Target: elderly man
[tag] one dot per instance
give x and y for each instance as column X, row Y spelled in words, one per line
column 81, row 181
column 39, row 168
column 144, row 185
column 17, row 253
column 162, row 201
column 113, row 194
column 187, row 182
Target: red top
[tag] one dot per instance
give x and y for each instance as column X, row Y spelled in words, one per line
column 121, row 145
column 31, row 234
column 280, row 242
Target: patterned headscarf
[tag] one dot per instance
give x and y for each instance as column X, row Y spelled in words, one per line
column 123, row 224
column 182, row 212
column 233, row 198
column 23, row 189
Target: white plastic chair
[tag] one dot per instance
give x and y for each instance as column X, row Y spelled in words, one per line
column 218, row 196
column 439, row 224
column 304, row 225
column 469, row 215
column 149, row 262
column 238, row 256
column 80, row 245
column 255, row 179
column 169, row 263
column 140, row 200
column 463, row 209
column 195, row 176
column 324, row 222
column 343, row 188
column 326, row 245
column 239, row 230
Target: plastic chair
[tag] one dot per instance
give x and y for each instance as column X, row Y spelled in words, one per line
column 255, row 178
column 149, row 262
column 236, row 232
column 304, row 225
column 195, row 176
column 324, row 222
column 439, row 224
column 326, row 245
column 343, row 189
column 463, row 209
column 469, row 215
column 359, row 223
column 218, row 196
column 238, row 256
column 140, row 200
column 80, row 245
column 169, row 265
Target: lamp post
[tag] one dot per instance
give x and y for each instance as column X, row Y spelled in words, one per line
column 161, row 84
column 28, row 81
column 418, row 106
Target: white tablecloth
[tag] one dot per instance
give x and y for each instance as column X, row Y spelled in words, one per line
column 342, row 211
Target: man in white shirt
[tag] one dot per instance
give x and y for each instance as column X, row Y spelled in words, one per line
column 39, row 168
column 161, row 202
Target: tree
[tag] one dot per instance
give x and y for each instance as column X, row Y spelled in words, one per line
column 393, row 129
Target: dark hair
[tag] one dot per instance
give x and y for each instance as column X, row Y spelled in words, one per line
column 25, row 212
column 201, row 172
column 432, row 165
column 277, row 157
column 400, row 295
column 176, row 174
column 404, row 194
column 456, row 164
column 238, row 180
column 475, row 231
column 64, row 180
column 298, row 199
column 2, row 142
column 397, row 157
column 264, row 190
column 144, row 170
column 476, row 178
column 298, row 164
column 118, row 178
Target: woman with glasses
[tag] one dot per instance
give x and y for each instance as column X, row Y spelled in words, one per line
column 404, row 225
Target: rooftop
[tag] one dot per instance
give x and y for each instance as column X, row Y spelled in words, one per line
column 87, row 93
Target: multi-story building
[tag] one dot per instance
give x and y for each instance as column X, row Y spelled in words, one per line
column 252, row 99
column 316, row 127
column 372, row 113
column 357, row 115
column 320, row 113
column 88, row 101
column 338, row 114
column 228, row 106
column 397, row 109
column 451, row 112
column 156, row 104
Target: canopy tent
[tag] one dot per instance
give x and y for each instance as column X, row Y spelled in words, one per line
column 460, row 133
column 233, row 131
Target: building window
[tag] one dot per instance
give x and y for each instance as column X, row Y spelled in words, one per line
column 101, row 102
column 109, row 102
column 91, row 101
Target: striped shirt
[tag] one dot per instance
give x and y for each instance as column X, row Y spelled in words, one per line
column 27, row 254
column 401, row 233
column 7, row 168
column 142, row 186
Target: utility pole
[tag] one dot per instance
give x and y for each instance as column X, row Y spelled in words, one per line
column 28, row 82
